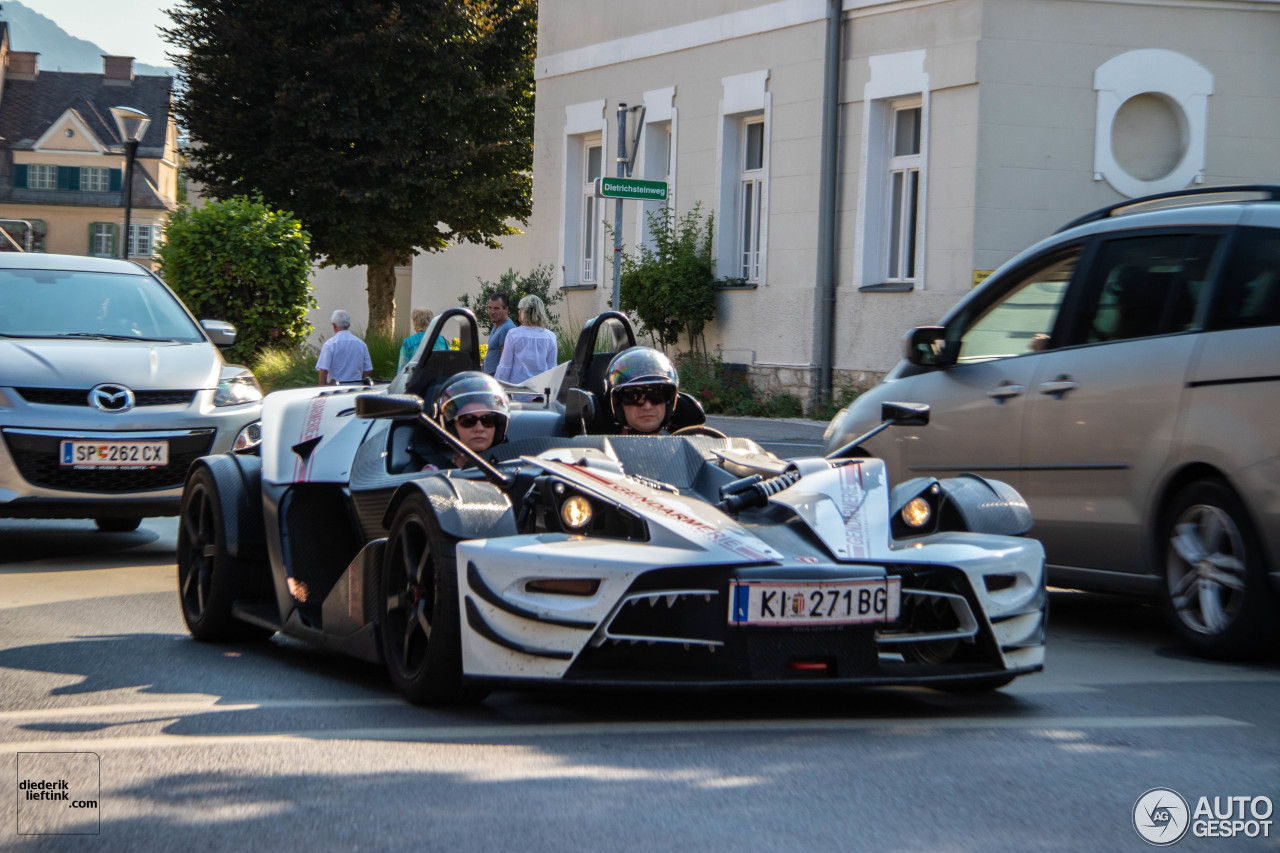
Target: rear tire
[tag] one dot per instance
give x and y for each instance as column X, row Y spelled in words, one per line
column 1215, row 587
column 209, row 580
column 117, row 525
column 419, row 622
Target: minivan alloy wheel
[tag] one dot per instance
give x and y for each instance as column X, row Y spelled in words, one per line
column 1206, row 571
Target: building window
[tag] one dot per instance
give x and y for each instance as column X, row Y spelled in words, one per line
column 94, row 179
column 658, row 164
column 592, row 160
column 142, row 240
column 102, row 240
column 42, row 177
column 750, row 199
column 904, row 191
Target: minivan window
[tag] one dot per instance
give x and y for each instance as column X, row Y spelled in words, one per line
column 1250, row 285
column 1022, row 320
column 55, row 303
column 1144, row 286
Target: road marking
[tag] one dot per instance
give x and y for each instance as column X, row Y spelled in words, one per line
column 26, row 588
column 483, row 734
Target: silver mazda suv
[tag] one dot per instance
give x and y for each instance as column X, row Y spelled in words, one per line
column 109, row 388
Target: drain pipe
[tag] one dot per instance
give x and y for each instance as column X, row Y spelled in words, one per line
column 825, row 307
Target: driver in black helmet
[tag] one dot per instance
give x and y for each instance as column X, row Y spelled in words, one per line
column 641, row 386
column 472, row 406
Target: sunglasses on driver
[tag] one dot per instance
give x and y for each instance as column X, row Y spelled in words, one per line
column 635, row 395
column 487, row 420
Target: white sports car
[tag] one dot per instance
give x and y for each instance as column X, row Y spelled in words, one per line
column 564, row 556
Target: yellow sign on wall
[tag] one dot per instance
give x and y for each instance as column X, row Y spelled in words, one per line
column 979, row 276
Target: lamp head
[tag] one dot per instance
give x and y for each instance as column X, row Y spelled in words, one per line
column 131, row 123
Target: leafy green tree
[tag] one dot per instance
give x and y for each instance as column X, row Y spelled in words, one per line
column 671, row 286
column 388, row 127
column 240, row 261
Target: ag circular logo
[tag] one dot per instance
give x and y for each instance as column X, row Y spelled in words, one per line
column 1161, row 817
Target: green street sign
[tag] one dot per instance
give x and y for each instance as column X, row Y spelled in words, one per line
column 631, row 188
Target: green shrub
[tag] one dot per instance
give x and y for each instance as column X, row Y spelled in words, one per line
column 726, row 391
column 840, row 397
column 671, row 287
column 240, row 261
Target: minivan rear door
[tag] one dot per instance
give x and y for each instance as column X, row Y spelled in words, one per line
column 1102, row 411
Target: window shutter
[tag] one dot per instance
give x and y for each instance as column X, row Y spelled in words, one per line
column 73, row 176
column 116, row 181
column 115, row 241
column 38, row 233
column 20, row 175
column 92, row 225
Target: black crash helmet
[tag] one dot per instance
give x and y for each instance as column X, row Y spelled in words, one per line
column 471, row 387
column 641, row 368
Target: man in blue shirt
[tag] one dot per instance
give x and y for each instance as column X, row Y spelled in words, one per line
column 344, row 357
column 500, row 320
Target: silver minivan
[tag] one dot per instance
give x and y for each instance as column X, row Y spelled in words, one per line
column 1124, row 376
column 109, row 388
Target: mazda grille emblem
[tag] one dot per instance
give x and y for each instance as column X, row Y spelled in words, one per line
column 111, row 398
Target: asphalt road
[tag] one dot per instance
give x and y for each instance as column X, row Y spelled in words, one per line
column 279, row 745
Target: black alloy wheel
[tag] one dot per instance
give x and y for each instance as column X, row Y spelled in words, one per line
column 208, row 578
column 1215, row 591
column 421, row 635
column 117, row 525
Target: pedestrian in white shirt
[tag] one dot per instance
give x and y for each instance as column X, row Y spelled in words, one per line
column 344, row 357
column 530, row 348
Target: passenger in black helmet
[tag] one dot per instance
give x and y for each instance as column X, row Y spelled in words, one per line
column 641, row 386
column 472, row 406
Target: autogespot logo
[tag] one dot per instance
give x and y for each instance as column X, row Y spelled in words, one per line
column 1160, row 816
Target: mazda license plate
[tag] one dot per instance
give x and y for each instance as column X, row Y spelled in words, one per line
column 114, row 454
column 853, row 602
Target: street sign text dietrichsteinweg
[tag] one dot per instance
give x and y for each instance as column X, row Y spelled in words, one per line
column 631, row 188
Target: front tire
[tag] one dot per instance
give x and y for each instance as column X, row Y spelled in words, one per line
column 419, row 624
column 209, row 580
column 1215, row 591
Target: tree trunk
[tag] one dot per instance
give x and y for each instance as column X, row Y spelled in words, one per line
column 381, row 286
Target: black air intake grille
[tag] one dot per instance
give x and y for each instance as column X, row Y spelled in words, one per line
column 80, row 397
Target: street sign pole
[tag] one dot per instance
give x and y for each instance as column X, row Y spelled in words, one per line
column 617, row 210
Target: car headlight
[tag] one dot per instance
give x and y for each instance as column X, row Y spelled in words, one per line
column 575, row 512
column 917, row 512
column 237, row 389
column 248, row 438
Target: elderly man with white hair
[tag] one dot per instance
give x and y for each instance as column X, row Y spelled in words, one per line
column 344, row 357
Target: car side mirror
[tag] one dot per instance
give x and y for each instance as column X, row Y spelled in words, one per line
column 388, row 406
column 928, row 346
column 222, row 333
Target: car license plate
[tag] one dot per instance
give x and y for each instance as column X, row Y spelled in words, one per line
column 814, row 603
column 115, row 454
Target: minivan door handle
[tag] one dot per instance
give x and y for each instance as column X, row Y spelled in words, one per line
column 1059, row 386
column 1002, row 392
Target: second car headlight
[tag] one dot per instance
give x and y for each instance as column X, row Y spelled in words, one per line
column 917, row 512
column 575, row 512
column 237, row 389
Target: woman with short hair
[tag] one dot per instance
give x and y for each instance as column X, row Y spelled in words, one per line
column 421, row 318
column 530, row 348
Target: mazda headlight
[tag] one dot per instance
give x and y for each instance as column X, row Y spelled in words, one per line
column 237, row 389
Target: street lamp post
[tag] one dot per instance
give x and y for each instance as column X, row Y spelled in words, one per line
column 132, row 124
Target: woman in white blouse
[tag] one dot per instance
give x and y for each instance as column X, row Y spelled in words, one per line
column 530, row 348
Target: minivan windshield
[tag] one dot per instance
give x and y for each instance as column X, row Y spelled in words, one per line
column 66, row 303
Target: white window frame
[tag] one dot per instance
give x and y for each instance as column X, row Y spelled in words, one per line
column 584, row 125
column 747, row 102
column 590, row 215
column 656, row 159
column 103, row 242
column 143, row 240
column 895, row 81
column 750, row 209
column 95, row 179
column 902, row 213
column 41, row 176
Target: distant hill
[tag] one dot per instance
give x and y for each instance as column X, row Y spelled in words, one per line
column 59, row 51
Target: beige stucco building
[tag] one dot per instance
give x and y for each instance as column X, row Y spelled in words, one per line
column 964, row 131
column 63, row 161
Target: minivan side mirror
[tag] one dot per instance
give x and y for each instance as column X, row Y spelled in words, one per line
column 928, row 346
column 222, row 333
